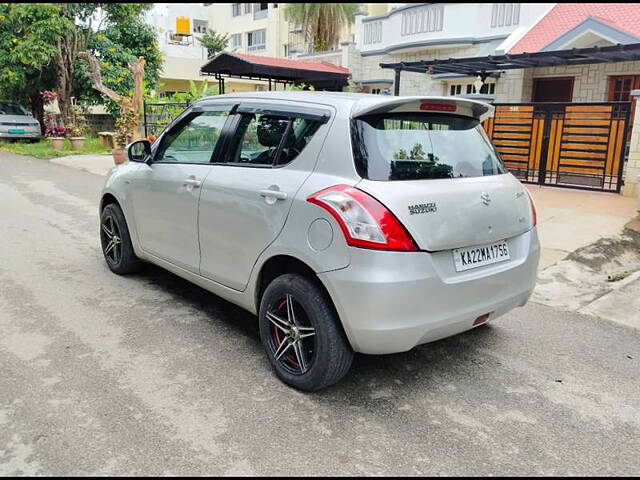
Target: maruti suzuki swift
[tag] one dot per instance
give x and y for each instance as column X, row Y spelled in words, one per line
column 345, row 222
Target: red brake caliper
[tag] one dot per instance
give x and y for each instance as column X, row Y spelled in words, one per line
column 276, row 331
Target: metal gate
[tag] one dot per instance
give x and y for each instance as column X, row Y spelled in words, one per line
column 574, row 145
column 156, row 116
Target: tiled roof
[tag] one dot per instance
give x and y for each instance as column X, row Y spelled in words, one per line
column 288, row 63
column 565, row 16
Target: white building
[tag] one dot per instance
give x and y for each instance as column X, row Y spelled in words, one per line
column 178, row 25
column 425, row 31
column 256, row 28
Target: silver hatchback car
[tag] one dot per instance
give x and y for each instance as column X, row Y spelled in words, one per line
column 346, row 222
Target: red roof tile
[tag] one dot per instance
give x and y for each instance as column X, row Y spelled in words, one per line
column 565, row 16
column 288, row 63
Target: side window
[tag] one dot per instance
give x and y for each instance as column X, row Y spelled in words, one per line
column 302, row 131
column 193, row 141
column 270, row 140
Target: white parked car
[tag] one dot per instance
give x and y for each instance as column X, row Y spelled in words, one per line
column 16, row 123
column 346, row 222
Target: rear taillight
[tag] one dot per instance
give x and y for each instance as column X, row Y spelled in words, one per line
column 364, row 221
column 534, row 214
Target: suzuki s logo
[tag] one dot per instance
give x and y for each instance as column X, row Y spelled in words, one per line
column 486, row 199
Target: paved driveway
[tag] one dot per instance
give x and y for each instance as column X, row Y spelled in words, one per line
column 570, row 219
column 147, row 374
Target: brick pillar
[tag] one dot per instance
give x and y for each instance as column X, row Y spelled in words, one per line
column 632, row 171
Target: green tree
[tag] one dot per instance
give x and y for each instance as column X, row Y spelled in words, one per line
column 28, row 45
column 214, row 42
column 40, row 43
column 117, row 39
column 322, row 23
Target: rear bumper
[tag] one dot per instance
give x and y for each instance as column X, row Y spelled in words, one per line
column 392, row 301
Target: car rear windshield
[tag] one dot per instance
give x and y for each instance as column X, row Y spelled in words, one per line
column 417, row 146
column 11, row 109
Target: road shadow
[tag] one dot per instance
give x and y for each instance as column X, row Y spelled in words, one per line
column 216, row 308
column 422, row 365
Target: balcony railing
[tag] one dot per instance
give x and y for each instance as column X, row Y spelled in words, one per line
column 260, row 14
column 255, row 48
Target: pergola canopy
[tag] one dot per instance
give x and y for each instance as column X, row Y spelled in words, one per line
column 483, row 66
column 322, row 75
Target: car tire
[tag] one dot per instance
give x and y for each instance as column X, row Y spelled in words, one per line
column 310, row 361
column 118, row 252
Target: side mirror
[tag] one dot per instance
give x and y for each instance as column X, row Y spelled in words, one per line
column 139, row 151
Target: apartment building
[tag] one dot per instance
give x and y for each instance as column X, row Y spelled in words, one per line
column 177, row 27
column 254, row 28
column 299, row 49
column 381, row 33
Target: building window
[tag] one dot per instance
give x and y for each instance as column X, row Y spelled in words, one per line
column 421, row 20
column 236, row 40
column 235, row 9
column 200, row 26
column 257, row 40
column 372, row 32
column 468, row 88
column 247, row 8
column 505, row 14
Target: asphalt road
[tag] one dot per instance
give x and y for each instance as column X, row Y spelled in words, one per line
column 150, row 375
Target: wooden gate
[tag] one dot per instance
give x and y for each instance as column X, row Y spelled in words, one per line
column 574, row 145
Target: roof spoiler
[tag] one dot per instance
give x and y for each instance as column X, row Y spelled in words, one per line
column 453, row 105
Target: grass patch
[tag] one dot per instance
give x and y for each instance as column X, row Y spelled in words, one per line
column 43, row 148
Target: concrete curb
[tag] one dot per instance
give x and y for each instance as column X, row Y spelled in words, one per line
column 621, row 304
column 97, row 164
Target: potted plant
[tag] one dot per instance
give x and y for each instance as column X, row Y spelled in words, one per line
column 120, row 142
column 125, row 125
column 77, row 126
column 76, row 138
column 52, row 125
column 56, row 134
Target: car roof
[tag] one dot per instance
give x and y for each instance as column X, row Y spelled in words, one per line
column 360, row 103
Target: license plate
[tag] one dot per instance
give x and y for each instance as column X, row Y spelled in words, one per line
column 16, row 130
column 472, row 257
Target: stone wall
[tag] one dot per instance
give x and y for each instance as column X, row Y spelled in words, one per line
column 632, row 167
column 514, row 86
column 99, row 122
column 591, row 82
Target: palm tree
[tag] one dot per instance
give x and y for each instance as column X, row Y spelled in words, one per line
column 322, row 23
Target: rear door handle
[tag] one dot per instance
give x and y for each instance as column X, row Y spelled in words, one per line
column 193, row 182
column 277, row 194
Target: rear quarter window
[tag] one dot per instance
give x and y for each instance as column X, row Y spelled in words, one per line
column 419, row 146
column 270, row 139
